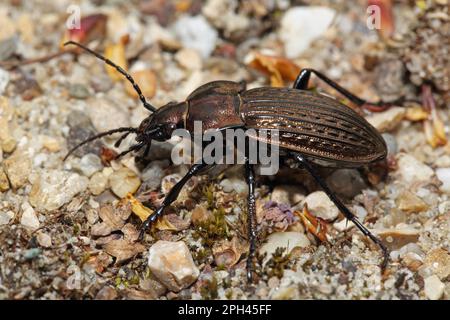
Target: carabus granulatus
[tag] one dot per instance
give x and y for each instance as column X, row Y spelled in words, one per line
column 313, row 129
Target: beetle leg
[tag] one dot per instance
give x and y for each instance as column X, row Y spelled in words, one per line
column 347, row 213
column 251, row 217
column 171, row 197
column 302, row 83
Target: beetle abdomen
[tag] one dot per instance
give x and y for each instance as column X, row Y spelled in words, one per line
column 313, row 124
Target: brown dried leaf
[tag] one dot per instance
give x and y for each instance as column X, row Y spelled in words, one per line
column 123, row 249
column 277, row 68
column 100, row 229
column 316, row 226
column 227, row 253
column 100, row 262
column 107, row 155
column 115, row 217
column 104, row 240
column 130, row 232
column 171, row 222
column 134, row 294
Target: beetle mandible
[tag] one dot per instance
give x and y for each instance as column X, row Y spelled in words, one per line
column 313, row 128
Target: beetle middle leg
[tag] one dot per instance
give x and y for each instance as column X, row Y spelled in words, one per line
column 171, row 197
column 251, row 217
column 345, row 211
column 302, row 83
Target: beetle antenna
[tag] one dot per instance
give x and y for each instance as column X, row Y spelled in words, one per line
column 132, row 148
column 119, row 141
column 106, row 133
column 147, row 105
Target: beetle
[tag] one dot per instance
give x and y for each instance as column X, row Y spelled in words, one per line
column 314, row 129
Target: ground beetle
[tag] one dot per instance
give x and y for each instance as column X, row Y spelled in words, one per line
column 313, row 129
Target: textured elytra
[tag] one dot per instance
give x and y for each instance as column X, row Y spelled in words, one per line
column 313, row 124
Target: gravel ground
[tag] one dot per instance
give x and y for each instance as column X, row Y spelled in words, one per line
column 68, row 229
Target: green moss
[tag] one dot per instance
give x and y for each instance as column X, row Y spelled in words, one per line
column 208, row 192
column 118, row 281
column 277, row 263
column 209, row 291
column 214, row 229
column 229, row 294
column 202, row 255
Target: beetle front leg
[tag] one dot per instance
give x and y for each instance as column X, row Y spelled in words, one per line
column 251, row 217
column 345, row 211
column 302, row 83
column 171, row 197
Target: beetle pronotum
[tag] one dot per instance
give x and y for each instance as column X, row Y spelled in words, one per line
column 312, row 128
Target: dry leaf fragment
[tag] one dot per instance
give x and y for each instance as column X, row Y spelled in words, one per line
column 147, row 82
column 123, row 249
column 227, row 253
column 277, row 68
column 116, row 53
column 433, row 126
column 416, row 114
column 91, row 27
column 134, row 294
column 316, row 226
column 387, row 23
column 172, row 222
column 138, row 208
column 115, row 217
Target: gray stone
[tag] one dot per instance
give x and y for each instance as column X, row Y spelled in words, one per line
column 6, row 217
column 302, row 25
column 172, row 264
column 90, row 164
column 320, row 205
column 29, row 219
column 54, row 188
column 346, row 182
column 195, row 32
column 288, row 240
column 124, row 181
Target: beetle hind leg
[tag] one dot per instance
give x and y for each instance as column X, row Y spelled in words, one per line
column 302, row 83
column 342, row 208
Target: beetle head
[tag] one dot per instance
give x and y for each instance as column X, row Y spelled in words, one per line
column 160, row 124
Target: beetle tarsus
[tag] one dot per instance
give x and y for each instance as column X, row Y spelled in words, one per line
column 342, row 208
column 171, row 197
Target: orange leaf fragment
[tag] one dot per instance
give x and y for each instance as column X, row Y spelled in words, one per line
column 416, row 114
column 433, row 126
column 387, row 23
column 316, row 226
column 138, row 208
column 116, row 53
column 435, row 130
column 279, row 69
